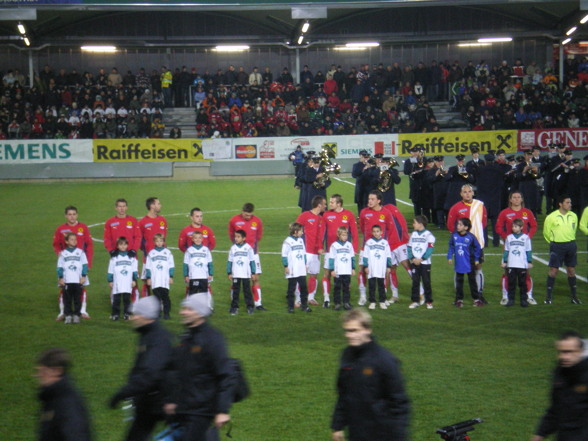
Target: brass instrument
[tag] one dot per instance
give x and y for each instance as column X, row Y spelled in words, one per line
column 463, row 173
column 442, row 172
column 393, row 162
column 327, row 167
column 385, row 181
column 532, row 170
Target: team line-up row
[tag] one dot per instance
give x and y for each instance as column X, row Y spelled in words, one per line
column 387, row 244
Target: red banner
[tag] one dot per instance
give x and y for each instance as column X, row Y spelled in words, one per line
column 576, row 139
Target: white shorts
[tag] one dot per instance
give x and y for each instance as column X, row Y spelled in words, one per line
column 257, row 264
column 399, row 254
column 313, row 263
column 326, row 256
column 144, row 272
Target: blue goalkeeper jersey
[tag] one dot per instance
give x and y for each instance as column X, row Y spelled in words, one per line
column 464, row 250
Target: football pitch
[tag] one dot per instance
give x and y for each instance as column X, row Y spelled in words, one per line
column 491, row 362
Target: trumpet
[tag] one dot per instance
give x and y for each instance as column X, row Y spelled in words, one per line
column 327, row 167
column 532, row 170
column 442, row 172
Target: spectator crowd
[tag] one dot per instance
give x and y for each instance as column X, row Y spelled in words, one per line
column 236, row 103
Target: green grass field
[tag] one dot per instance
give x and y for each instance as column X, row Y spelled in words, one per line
column 490, row 362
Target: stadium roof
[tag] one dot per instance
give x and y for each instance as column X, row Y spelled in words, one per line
column 179, row 23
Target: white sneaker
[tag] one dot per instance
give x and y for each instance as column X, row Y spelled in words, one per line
column 429, row 306
column 504, row 301
column 414, row 305
column 383, row 305
column 362, row 301
column 76, row 319
column 372, row 306
column 387, row 302
column 68, row 320
column 421, row 299
column 394, row 299
column 531, row 301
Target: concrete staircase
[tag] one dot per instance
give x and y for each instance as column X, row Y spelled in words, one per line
column 182, row 117
column 448, row 120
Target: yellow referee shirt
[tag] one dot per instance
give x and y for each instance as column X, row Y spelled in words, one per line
column 560, row 227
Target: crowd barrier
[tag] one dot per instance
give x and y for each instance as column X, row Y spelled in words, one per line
column 260, row 150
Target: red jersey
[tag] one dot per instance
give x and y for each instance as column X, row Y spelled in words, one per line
column 398, row 232
column 185, row 239
column 461, row 210
column 333, row 220
column 150, row 226
column 116, row 227
column 84, row 239
column 313, row 231
column 369, row 217
column 506, row 216
column 252, row 227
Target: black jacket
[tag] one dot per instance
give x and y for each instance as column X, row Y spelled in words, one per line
column 202, row 381
column 568, row 413
column 372, row 401
column 146, row 378
column 64, row 416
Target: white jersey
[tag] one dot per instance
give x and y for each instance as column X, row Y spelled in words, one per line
column 241, row 257
column 70, row 264
column 341, row 256
column 294, row 256
column 120, row 273
column 376, row 256
column 160, row 264
column 196, row 262
column 517, row 248
column 419, row 243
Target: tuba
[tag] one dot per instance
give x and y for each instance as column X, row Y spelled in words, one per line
column 327, row 167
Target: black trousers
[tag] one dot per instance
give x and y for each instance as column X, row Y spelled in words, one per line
column 126, row 299
column 196, row 286
column 422, row 273
column 342, row 284
column 459, row 279
column 301, row 282
column 517, row 276
column 146, row 417
column 72, row 298
column 235, row 289
column 162, row 295
column 372, row 283
column 195, row 428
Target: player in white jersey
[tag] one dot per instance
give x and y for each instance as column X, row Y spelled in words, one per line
column 198, row 267
column 517, row 259
column 240, row 267
column 72, row 269
column 122, row 278
column 294, row 261
column 420, row 248
column 159, row 268
column 342, row 266
column 377, row 258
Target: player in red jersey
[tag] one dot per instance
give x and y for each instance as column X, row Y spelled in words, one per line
column 398, row 238
column 314, row 232
column 122, row 225
column 475, row 211
column 185, row 239
column 253, row 226
column 336, row 217
column 151, row 224
column 84, row 243
column 516, row 210
column 373, row 214
column 208, row 240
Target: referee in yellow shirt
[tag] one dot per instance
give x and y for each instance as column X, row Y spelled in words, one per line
column 559, row 230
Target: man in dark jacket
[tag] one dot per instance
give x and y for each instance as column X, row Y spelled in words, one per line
column 201, row 389
column 146, row 378
column 357, row 173
column 372, row 402
column 568, row 414
column 64, row 415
